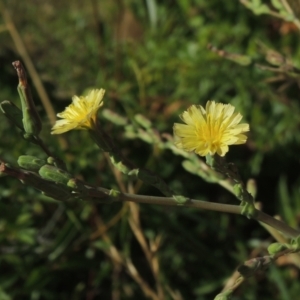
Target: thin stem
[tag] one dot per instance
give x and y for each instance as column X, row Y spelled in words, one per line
column 227, row 208
column 291, row 12
column 275, row 14
column 277, row 224
column 167, row 201
column 44, row 147
column 287, row 6
column 101, row 194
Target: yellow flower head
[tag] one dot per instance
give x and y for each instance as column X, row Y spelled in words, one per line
column 210, row 130
column 81, row 113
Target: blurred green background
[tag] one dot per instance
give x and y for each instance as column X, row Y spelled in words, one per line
column 152, row 58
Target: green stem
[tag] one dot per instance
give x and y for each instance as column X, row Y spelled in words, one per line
column 291, row 12
column 227, row 208
column 199, row 204
column 277, row 224
column 101, row 194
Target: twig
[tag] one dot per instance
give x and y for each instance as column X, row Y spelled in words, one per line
column 291, row 12
column 99, row 194
column 287, row 6
column 234, row 209
column 118, row 258
column 113, row 221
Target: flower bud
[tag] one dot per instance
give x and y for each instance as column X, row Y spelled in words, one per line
column 54, row 174
column 31, row 120
column 54, row 190
column 30, row 163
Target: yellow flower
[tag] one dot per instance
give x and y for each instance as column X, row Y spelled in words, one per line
column 210, row 130
column 81, row 113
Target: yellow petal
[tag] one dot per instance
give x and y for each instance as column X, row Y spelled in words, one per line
column 80, row 114
column 210, row 130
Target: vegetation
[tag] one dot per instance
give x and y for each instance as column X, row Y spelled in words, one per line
column 154, row 59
